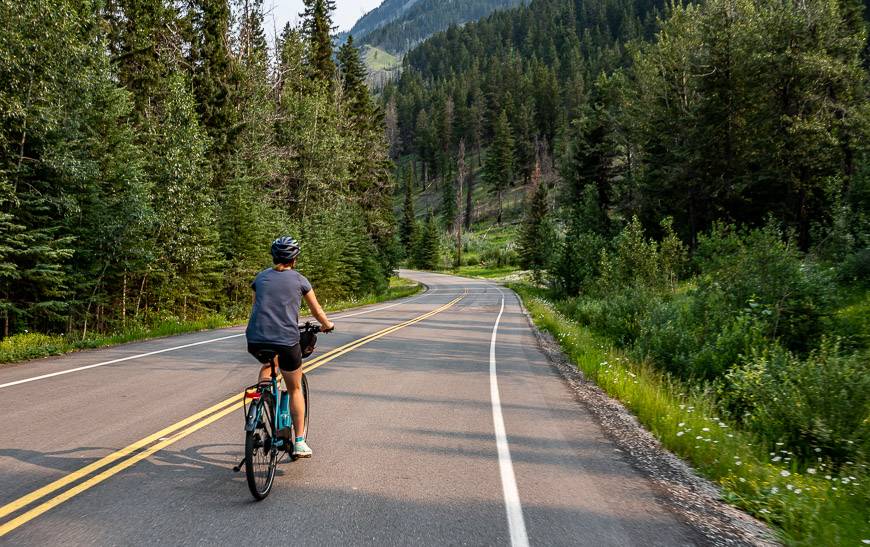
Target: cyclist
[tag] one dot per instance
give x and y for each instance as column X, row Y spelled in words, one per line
column 274, row 325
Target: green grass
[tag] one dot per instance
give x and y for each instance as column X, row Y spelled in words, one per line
column 486, row 272
column 377, row 59
column 399, row 288
column 815, row 506
column 22, row 347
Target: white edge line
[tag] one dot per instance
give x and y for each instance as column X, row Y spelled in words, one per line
column 113, row 361
column 513, row 507
column 150, row 353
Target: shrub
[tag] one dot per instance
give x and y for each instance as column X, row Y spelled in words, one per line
column 636, row 261
column 619, row 316
column 818, row 406
column 855, row 269
column 499, row 256
column 577, row 262
column 763, row 266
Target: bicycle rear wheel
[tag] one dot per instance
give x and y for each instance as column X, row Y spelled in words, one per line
column 260, row 457
column 305, row 395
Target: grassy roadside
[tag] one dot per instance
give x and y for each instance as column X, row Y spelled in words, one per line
column 26, row 346
column 816, row 506
column 484, row 272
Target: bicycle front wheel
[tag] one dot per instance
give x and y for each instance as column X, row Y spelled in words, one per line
column 305, row 395
column 260, row 456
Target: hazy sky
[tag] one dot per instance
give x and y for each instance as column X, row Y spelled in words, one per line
column 346, row 14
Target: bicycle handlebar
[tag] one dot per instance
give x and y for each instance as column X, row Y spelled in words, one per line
column 311, row 327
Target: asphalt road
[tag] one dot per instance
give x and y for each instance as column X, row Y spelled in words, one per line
column 410, row 444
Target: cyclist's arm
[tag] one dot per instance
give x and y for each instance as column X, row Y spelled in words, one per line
column 317, row 311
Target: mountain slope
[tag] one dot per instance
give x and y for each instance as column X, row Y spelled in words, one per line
column 427, row 17
column 398, row 25
column 388, row 11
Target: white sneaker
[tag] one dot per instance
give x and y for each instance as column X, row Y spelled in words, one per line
column 301, row 449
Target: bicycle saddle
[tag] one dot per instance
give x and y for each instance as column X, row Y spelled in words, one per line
column 265, row 355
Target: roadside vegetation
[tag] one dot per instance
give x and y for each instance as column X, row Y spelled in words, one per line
column 750, row 359
column 812, row 497
column 25, row 346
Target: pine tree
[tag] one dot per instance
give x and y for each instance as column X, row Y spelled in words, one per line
column 448, row 203
column 498, row 171
column 353, row 81
column 317, row 28
column 144, row 47
column 186, row 235
column 214, row 79
column 537, row 233
column 427, row 245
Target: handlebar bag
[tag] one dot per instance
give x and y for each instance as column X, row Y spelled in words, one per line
column 307, row 343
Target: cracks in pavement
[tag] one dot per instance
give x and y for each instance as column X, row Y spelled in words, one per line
column 694, row 499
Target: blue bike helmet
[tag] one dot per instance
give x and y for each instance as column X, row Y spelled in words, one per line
column 284, row 250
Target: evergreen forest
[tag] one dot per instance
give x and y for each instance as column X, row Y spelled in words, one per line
column 151, row 150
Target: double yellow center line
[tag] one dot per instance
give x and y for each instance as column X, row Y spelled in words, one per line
column 165, row 437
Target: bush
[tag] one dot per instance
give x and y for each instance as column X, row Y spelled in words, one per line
column 499, row 256
column 636, row 261
column 577, row 262
column 762, row 266
column 818, row 406
column 619, row 316
column 855, row 270
column 19, row 347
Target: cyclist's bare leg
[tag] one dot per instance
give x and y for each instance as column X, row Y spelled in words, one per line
column 293, row 380
column 266, row 373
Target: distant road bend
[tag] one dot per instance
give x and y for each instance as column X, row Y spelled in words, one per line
column 435, row 420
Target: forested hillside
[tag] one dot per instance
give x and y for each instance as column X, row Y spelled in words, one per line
column 424, row 18
column 697, row 197
column 398, row 25
column 387, row 11
column 150, row 151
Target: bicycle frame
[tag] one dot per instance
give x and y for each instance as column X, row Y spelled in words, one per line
column 280, row 411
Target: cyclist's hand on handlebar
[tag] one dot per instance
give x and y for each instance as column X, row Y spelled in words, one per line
column 327, row 327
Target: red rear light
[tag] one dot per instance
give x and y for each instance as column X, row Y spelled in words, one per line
column 252, row 394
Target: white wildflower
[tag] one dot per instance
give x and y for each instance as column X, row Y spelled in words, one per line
column 784, row 473
column 811, row 470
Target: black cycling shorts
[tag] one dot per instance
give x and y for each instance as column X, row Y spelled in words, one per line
column 289, row 357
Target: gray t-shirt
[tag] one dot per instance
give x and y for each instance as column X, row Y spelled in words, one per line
column 275, row 317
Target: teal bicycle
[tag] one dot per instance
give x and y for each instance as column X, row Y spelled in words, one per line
column 269, row 429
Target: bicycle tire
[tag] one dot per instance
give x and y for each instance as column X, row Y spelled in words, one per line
column 260, row 459
column 305, row 396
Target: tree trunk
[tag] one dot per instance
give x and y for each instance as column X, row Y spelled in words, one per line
column 124, row 302
column 469, row 209
column 460, row 172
